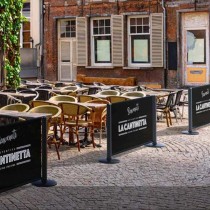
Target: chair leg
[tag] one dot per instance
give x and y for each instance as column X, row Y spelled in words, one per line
column 56, row 148
column 169, row 116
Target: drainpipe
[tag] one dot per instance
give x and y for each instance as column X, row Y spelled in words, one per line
column 41, row 30
column 164, row 42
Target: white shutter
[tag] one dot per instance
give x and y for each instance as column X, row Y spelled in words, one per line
column 157, row 39
column 117, row 40
column 81, row 24
column 74, row 60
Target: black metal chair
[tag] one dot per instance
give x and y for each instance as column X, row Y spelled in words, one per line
column 93, row 90
column 28, row 99
column 164, row 108
column 7, row 99
column 44, row 94
column 174, row 107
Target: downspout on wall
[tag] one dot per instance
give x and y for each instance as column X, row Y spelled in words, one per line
column 164, row 42
column 41, row 30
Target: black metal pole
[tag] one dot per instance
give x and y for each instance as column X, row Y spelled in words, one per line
column 44, row 182
column 190, row 115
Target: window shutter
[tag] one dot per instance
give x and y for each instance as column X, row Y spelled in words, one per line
column 157, row 39
column 117, row 40
column 74, row 60
column 81, row 24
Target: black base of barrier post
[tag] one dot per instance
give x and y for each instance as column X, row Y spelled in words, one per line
column 154, row 144
column 109, row 160
column 190, row 132
column 47, row 183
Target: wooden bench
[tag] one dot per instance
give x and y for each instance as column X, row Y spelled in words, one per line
column 129, row 81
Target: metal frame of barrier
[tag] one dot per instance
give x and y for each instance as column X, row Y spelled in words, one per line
column 145, row 110
column 43, row 180
column 198, row 108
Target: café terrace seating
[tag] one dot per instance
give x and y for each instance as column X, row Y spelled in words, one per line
column 76, row 120
column 20, row 107
column 115, row 99
column 52, row 120
column 164, row 108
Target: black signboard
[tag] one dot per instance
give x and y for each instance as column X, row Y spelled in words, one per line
column 132, row 123
column 20, row 152
column 200, row 103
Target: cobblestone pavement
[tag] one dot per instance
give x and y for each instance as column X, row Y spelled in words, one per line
column 176, row 176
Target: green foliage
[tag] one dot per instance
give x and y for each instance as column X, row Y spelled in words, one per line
column 10, row 24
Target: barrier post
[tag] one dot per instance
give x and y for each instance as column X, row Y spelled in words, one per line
column 154, row 130
column 108, row 159
column 190, row 113
column 44, row 182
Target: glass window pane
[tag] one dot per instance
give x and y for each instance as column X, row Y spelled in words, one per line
column 132, row 21
column 146, row 21
column 139, row 29
column 107, row 22
column 140, row 49
column 101, row 22
column 139, row 21
column 133, row 29
column 68, row 34
column 73, row 34
column 145, row 29
column 101, row 30
column 107, row 30
column 196, row 46
column 95, row 31
column 103, row 49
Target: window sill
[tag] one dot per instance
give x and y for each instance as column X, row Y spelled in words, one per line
column 99, row 67
column 140, row 68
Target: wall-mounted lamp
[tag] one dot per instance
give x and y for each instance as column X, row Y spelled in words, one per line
column 32, row 41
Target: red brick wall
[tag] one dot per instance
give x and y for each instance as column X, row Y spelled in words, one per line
column 56, row 9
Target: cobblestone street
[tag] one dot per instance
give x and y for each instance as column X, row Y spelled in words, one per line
column 176, row 176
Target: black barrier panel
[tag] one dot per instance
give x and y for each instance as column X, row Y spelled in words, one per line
column 132, row 123
column 20, row 153
column 200, row 106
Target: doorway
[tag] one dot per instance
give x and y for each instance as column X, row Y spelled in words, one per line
column 195, row 48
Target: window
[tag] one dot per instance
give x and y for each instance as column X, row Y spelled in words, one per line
column 101, row 41
column 25, row 33
column 196, row 52
column 139, row 41
column 68, row 28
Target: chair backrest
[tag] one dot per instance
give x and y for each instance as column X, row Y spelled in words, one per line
column 93, row 90
column 55, row 111
column 115, row 99
column 73, row 109
column 135, row 94
column 99, row 101
column 59, row 84
column 35, row 103
column 9, row 91
column 109, row 92
column 84, row 98
column 16, row 107
column 7, row 99
column 73, row 88
column 45, row 87
column 36, row 94
column 63, row 98
column 44, row 94
column 170, row 99
column 178, row 97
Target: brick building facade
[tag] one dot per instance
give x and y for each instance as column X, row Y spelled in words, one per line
column 155, row 41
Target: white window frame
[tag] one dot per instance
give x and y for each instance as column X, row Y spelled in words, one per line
column 93, row 63
column 59, row 28
column 129, row 43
